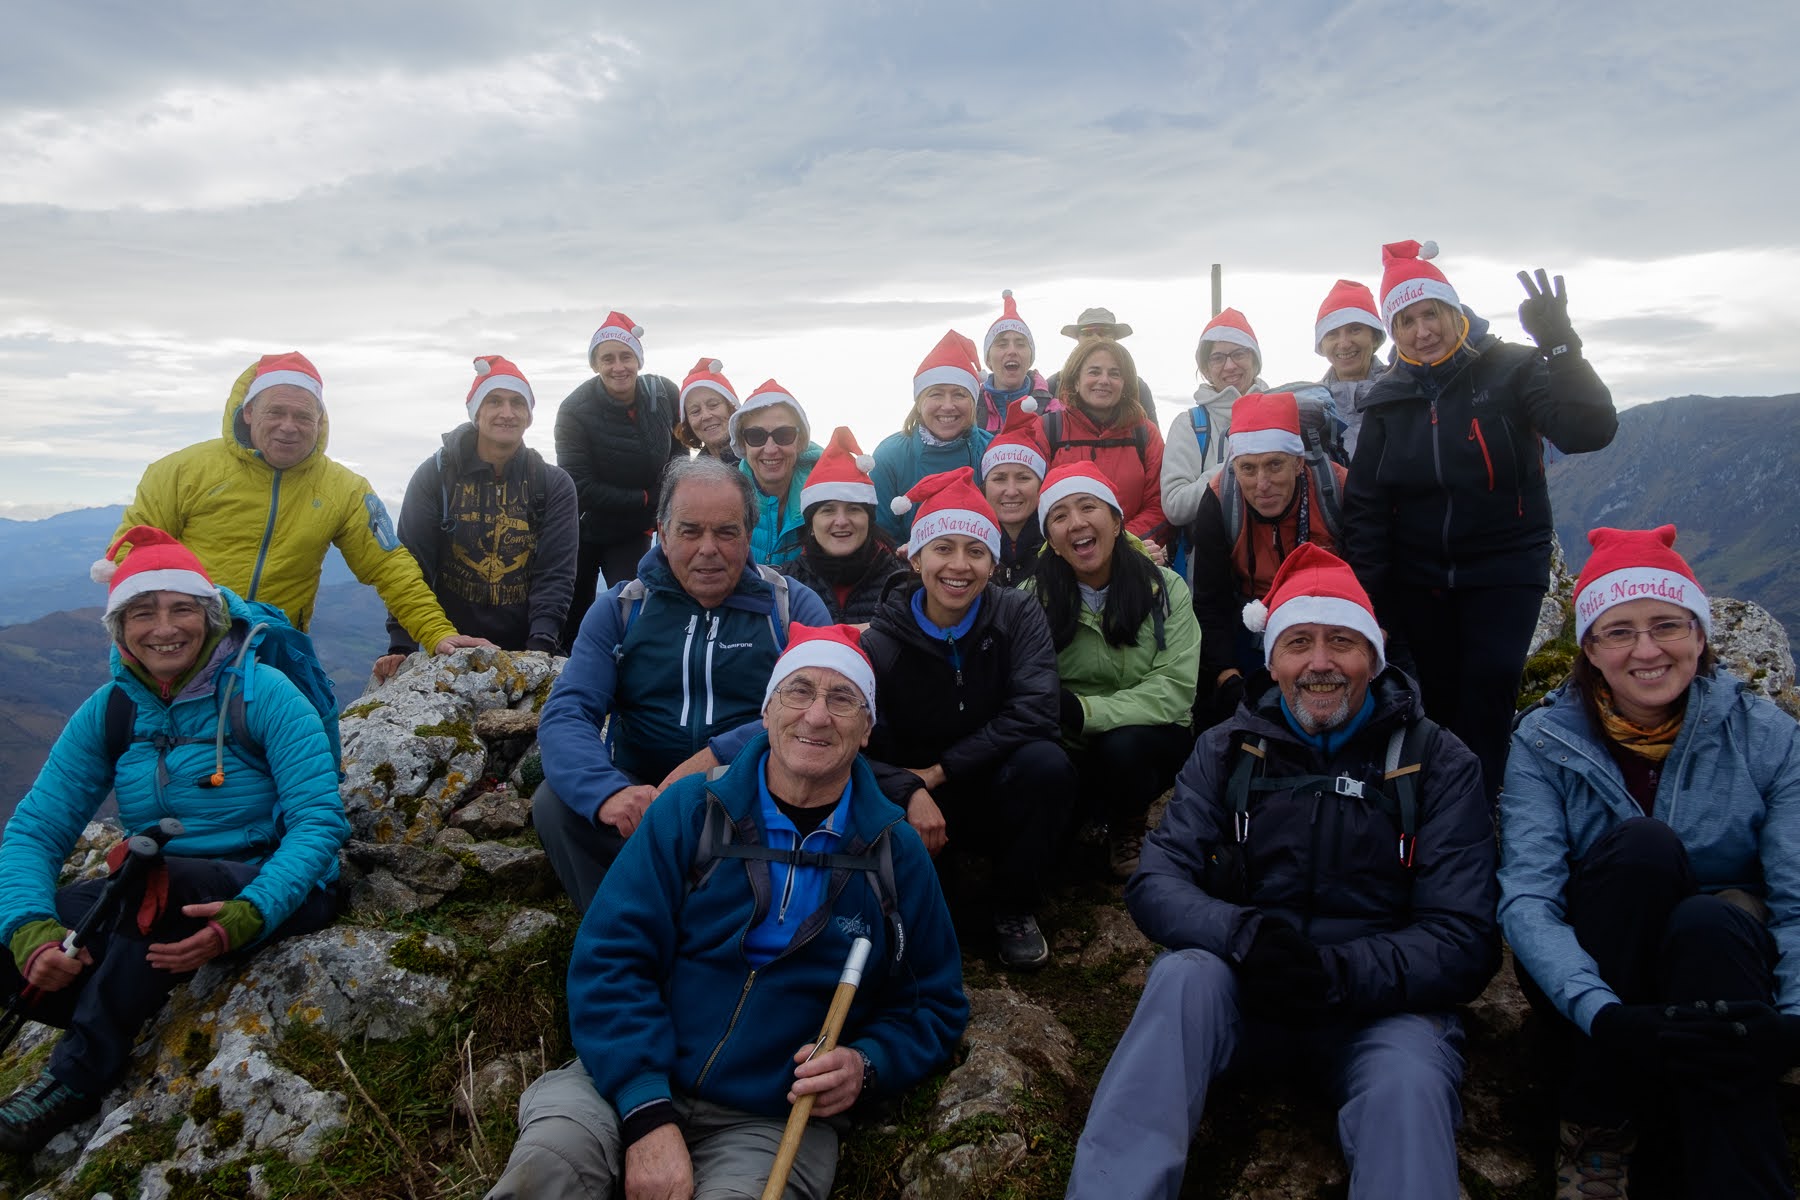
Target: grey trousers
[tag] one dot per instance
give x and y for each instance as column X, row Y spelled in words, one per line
column 569, row 1147
column 1394, row 1078
column 580, row 852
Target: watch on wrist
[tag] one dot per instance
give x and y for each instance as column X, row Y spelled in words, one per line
column 868, row 1079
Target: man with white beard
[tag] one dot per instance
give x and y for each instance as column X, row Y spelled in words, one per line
column 1324, row 881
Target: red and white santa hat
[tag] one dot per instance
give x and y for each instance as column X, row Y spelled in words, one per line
column 1314, row 587
column 1231, row 326
column 1075, row 479
column 767, row 396
column 1020, row 441
column 1347, row 303
column 493, row 373
column 1009, row 322
column 834, row 647
column 618, row 328
column 293, row 368
column 154, row 562
column 947, row 503
column 1636, row 564
column 1407, row 278
column 1263, row 423
column 842, row 473
column 951, row 361
column 708, row 373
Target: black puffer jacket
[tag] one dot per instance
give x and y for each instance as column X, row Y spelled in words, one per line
column 865, row 593
column 616, row 453
column 1393, row 938
column 967, row 720
column 1447, row 487
column 1018, row 556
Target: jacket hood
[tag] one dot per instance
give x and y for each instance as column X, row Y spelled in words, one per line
column 1396, row 699
column 753, row 593
column 236, row 429
column 1561, row 710
column 1395, row 383
column 1218, row 404
column 896, row 611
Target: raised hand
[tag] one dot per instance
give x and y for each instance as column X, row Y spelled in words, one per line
column 1545, row 314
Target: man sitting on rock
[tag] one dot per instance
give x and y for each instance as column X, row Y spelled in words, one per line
column 670, row 663
column 261, row 504
column 491, row 524
column 703, row 972
column 1324, row 880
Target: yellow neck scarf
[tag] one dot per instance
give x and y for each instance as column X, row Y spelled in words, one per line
column 1653, row 744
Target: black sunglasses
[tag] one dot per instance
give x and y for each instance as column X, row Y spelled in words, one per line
column 787, row 435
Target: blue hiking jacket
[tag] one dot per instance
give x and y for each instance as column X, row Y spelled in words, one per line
column 289, row 822
column 676, row 681
column 662, row 998
column 1730, row 790
column 903, row 459
column 776, row 538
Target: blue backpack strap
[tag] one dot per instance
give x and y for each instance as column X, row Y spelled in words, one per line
column 781, row 615
column 1201, row 420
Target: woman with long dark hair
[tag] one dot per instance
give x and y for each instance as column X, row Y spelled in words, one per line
column 844, row 555
column 1127, row 650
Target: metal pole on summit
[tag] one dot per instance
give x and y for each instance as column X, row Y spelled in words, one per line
column 1218, row 288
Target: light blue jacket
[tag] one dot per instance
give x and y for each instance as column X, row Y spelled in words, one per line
column 1730, row 790
column 776, row 538
column 290, row 820
column 903, row 459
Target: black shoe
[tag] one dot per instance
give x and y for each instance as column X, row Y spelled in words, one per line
column 39, row 1111
column 1022, row 944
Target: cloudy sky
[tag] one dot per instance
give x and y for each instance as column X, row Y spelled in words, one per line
column 815, row 190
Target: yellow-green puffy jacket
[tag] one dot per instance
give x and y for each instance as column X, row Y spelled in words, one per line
column 263, row 533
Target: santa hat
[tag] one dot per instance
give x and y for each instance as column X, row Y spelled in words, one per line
column 947, row 503
column 493, row 372
column 618, row 328
column 770, row 393
column 292, row 368
column 1347, row 303
column 1314, row 587
column 1074, row 479
column 706, row 373
column 1407, row 278
column 842, row 473
column 1636, row 564
column 1021, row 441
column 951, row 361
column 1231, row 326
column 154, row 562
column 1263, row 423
column 835, row 647
column 1009, row 322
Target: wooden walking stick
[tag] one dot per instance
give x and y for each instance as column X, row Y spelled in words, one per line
column 848, row 982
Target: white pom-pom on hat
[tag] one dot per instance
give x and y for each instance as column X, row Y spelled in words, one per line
column 1256, row 616
column 901, row 505
column 1428, row 250
column 1006, row 294
column 483, row 366
column 637, row 331
column 102, row 570
column 865, row 463
column 1029, row 404
column 715, row 366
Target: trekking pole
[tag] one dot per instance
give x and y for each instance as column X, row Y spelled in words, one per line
column 828, row 1036
column 141, row 850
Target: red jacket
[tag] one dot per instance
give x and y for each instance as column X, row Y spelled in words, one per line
column 1130, row 456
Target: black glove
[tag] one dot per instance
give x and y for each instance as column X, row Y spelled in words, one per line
column 1225, row 699
column 1630, row 1031
column 1728, row 1039
column 1545, row 315
column 1282, row 974
column 1070, row 713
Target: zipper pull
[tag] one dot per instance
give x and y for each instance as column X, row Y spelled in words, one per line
column 1434, row 410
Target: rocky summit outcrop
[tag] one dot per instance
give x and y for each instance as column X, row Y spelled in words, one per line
column 384, row 1056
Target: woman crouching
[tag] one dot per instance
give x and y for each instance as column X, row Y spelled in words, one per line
column 257, row 860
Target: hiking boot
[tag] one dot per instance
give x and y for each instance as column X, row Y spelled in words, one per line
column 1123, row 846
column 39, row 1111
column 1022, row 944
column 1593, row 1161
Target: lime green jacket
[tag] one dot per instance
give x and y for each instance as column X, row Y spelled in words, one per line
column 263, row 533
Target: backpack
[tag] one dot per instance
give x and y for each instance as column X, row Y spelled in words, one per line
column 719, row 840
column 1139, row 438
column 1407, row 749
column 632, row 595
column 1324, row 489
column 536, row 507
column 273, row 642
column 1320, row 426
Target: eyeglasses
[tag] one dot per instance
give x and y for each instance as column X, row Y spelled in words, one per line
column 1624, row 637
column 839, row 702
column 755, row 437
column 1219, row 358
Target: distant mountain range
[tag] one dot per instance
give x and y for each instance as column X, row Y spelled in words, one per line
column 1725, row 471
